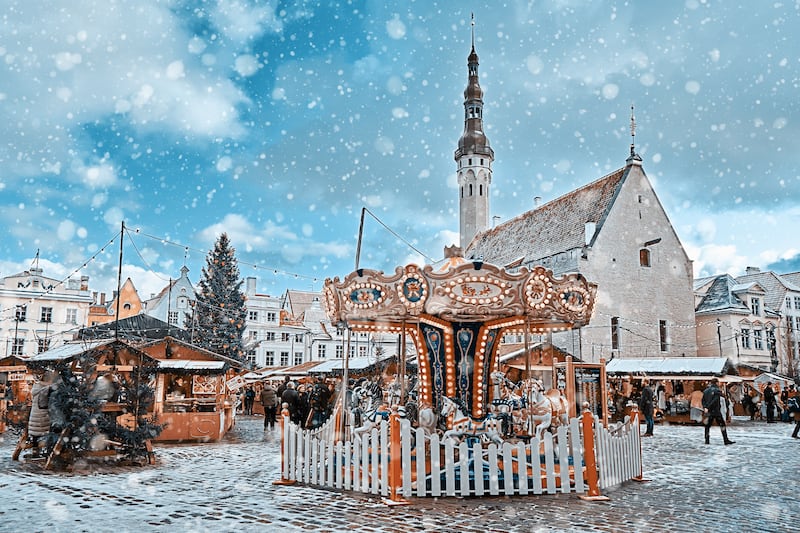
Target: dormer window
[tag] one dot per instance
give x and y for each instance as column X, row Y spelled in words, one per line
column 755, row 306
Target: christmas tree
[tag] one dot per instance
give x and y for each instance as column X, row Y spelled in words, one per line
column 219, row 317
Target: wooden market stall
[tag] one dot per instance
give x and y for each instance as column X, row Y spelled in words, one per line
column 15, row 384
column 677, row 382
column 192, row 398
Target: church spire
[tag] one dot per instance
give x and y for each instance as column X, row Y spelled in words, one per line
column 634, row 157
column 474, row 156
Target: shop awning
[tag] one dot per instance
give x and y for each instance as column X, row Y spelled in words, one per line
column 670, row 367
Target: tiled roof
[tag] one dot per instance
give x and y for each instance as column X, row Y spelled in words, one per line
column 552, row 228
column 720, row 298
column 775, row 286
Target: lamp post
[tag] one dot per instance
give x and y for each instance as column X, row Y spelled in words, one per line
column 719, row 335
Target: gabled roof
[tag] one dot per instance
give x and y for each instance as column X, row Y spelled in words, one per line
column 792, row 277
column 555, row 227
column 139, row 327
column 720, row 298
column 776, row 286
column 208, row 353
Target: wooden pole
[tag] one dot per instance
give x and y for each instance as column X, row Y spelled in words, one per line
column 395, row 461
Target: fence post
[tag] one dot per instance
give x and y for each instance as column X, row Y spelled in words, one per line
column 589, row 458
column 284, row 417
column 395, row 476
column 638, row 440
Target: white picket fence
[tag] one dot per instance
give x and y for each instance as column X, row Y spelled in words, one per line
column 430, row 467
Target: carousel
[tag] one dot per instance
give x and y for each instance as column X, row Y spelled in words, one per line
column 457, row 426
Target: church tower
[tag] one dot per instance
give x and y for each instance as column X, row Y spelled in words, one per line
column 474, row 158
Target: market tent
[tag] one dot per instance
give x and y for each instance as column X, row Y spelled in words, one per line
column 782, row 381
column 702, row 368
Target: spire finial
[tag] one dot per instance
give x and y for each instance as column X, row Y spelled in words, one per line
column 472, row 23
column 633, row 132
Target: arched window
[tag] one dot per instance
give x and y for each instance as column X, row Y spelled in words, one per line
column 470, row 189
column 480, row 189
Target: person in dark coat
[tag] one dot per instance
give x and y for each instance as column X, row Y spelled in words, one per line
column 769, row 399
column 292, row 400
column 712, row 410
column 646, row 407
column 269, row 400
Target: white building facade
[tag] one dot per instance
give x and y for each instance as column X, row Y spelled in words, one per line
column 38, row 313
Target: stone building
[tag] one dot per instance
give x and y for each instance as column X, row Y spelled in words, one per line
column 614, row 231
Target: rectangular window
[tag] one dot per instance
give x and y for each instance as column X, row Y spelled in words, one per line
column 72, row 316
column 663, row 335
column 253, row 335
column 362, row 351
column 284, row 358
column 284, row 337
column 746, row 338
column 615, row 333
column 271, row 316
column 21, row 313
column 173, row 318
column 251, row 357
column 298, row 337
column 43, row 345
column 47, row 314
column 252, row 316
column 339, row 351
column 755, row 306
column 352, row 351
column 797, row 302
column 644, row 257
column 270, row 358
column 298, row 358
column 321, row 351
column 788, row 302
column 270, row 336
column 758, row 343
column 16, row 347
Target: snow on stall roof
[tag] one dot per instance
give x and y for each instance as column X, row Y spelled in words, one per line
column 190, row 365
column 669, row 365
column 68, row 350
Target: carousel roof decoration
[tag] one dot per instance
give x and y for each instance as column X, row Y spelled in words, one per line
column 456, row 316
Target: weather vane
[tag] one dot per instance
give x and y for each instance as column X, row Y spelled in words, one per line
column 633, row 132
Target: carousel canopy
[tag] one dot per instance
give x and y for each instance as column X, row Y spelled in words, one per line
column 469, row 291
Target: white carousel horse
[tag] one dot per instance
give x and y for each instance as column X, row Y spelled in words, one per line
column 370, row 407
column 545, row 409
column 464, row 426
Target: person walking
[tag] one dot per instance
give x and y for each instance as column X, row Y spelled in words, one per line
column 712, row 409
column 646, row 407
column 769, row 399
column 249, row 398
column 269, row 400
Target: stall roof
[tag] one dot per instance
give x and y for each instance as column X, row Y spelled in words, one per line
column 184, row 364
column 670, row 366
column 353, row 363
column 68, row 350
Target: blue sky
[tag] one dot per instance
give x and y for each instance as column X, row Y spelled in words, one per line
column 278, row 121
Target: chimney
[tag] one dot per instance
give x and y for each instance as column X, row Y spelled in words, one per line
column 752, row 270
column 251, row 285
column 102, row 298
column 537, row 201
column 84, row 283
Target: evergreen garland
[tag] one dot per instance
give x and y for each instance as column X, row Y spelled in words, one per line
column 219, row 316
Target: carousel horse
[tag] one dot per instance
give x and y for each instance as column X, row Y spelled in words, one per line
column 464, row 426
column 545, row 409
column 508, row 403
column 370, row 407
